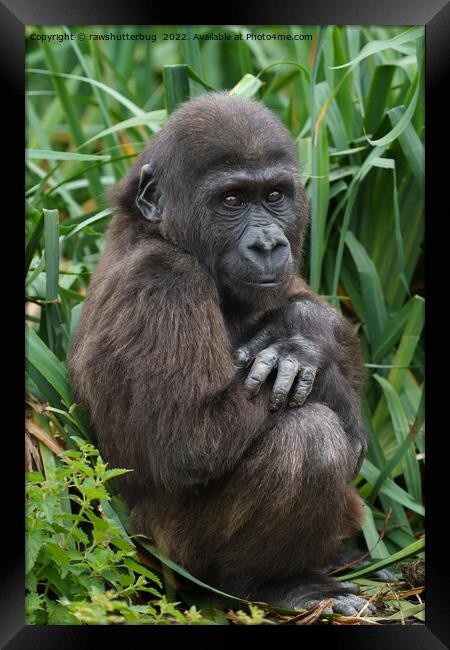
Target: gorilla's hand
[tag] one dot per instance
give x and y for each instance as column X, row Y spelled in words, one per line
column 295, row 359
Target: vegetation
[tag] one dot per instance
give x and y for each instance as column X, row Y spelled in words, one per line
column 353, row 99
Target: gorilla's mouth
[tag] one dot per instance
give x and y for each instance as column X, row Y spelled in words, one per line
column 264, row 284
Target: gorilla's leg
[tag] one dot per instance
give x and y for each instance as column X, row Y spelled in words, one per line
column 262, row 531
column 285, row 511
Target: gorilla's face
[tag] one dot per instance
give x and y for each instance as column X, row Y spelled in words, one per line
column 250, row 210
column 221, row 181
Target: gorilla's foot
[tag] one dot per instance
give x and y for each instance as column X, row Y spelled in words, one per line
column 343, row 597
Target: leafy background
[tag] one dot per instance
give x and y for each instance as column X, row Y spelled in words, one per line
column 353, row 100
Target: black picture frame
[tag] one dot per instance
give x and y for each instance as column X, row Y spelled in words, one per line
column 435, row 16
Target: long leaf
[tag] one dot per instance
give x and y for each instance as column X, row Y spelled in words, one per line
column 248, row 86
column 176, row 85
column 42, row 154
column 405, row 119
column 411, row 145
column 320, row 184
column 376, row 102
column 401, row 430
column 34, row 238
column 390, row 489
column 153, row 121
column 375, row 545
column 412, row 549
column 375, row 47
column 51, row 236
column 370, row 288
column 404, row 354
column 47, row 364
column 93, row 82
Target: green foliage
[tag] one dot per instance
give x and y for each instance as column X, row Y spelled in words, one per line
column 353, row 100
column 80, row 567
column 256, row 616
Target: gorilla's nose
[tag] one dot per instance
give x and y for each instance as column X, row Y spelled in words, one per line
column 267, row 249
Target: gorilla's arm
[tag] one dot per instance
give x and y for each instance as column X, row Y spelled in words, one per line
column 151, row 361
column 316, row 355
column 320, row 321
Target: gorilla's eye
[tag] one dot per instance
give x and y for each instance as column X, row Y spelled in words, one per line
column 232, row 200
column 274, row 196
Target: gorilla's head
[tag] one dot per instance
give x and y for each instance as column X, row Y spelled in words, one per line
column 221, row 181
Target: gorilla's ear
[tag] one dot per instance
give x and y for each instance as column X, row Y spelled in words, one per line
column 147, row 196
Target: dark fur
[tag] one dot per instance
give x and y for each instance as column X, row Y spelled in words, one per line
column 242, row 497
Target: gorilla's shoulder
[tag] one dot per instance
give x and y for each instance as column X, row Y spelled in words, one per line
column 153, row 264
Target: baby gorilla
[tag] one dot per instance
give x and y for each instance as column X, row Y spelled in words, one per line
column 214, row 372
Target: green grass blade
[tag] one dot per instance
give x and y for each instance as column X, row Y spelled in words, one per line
column 388, row 468
column 105, row 113
column 43, row 390
column 304, row 154
column 176, row 86
column 38, row 135
column 301, row 68
column 411, row 145
column 352, row 192
column 34, row 239
column 404, row 353
column 335, row 122
column 153, row 121
column 34, row 273
column 42, row 154
column 92, row 82
column 377, row 100
column 405, row 119
column 51, row 237
column 412, row 549
column 390, row 489
column 70, row 112
column 408, row 342
column 391, row 333
column 375, row 47
column 320, row 183
column 343, row 85
column 372, row 293
column 48, row 365
column 402, row 434
column 389, row 163
column 248, row 86
column 375, row 545
column 190, row 54
column 87, row 222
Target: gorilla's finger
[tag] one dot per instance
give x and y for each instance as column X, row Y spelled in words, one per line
column 384, row 575
column 242, row 356
column 304, row 386
column 263, row 365
column 343, row 607
column 349, row 587
column 287, row 372
column 247, row 352
column 360, row 605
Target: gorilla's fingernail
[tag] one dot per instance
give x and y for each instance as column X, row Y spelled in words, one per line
column 274, row 406
column 240, row 356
